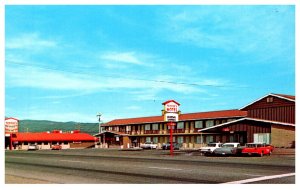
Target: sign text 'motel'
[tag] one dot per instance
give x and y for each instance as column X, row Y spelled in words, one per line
column 171, row 110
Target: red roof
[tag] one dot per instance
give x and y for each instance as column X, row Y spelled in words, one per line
column 11, row 118
column 47, row 137
column 170, row 101
column 286, row 96
column 182, row 117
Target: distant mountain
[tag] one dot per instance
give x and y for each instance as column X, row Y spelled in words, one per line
column 44, row 125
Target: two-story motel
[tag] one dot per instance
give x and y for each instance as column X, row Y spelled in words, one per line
column 270, row 119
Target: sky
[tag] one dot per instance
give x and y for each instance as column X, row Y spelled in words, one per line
column 68, row 63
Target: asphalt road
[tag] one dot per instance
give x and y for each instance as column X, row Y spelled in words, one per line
column 143, row 167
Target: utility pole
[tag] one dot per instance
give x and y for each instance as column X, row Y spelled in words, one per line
column 99, row 123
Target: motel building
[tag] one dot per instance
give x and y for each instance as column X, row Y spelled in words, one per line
column 15, row 140
column 269, row 119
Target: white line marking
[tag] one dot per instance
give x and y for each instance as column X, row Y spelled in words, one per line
column 252, row 175
column 70, row 161
column 260, row 178
column 164, row 168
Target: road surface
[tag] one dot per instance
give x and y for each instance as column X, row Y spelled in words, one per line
column 148, row 167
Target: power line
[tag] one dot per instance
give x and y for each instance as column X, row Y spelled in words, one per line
column 122, row 77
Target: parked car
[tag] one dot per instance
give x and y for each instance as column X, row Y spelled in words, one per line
column 167, row 146
column 270, row 146
column 32, row 147
column 149, row 145
column 260, row 149
column 228, row 149
column 209, row 149
column 56, row 147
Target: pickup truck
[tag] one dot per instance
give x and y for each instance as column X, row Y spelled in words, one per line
column 209, row 149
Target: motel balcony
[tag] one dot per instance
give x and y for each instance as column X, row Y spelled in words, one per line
column 151, row 132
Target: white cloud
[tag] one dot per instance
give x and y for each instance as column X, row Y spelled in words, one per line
column 133, row 108
column 126, row 57
column 241, row 29
column 31, row 41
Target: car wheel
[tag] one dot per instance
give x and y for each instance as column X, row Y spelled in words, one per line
column 261, row 154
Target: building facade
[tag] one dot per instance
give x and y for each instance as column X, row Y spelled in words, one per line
column 45, row 140
column 264, row 120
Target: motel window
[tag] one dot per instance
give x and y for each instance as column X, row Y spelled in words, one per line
column 39, row 143
column 46, row 143
column 147, row 127
column 199, row 124
column 180, row 125
column 224, row 121
column 199, row 140
column 65, row 143
column 110, row 128
column 187, row 139
column 25, row 143
column 269, row 99
column 209, row 139
column 155, row 126
column 148, row 139
column 180, row 139
column 155, row 139
column 128, row 128
column 230, row 120
column 209, row 123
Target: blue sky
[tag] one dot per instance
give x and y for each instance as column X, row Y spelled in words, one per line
column 67, row 63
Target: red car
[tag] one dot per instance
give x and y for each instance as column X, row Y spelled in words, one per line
column 56, row 147
column 260, row 149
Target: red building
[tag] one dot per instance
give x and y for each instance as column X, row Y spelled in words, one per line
column 45, row 140
column 270, row 119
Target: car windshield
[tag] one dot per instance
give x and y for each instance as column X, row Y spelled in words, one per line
column 227, row 145
column 251, row 145
column 211, row 145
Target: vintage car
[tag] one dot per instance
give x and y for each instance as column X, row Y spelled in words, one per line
column 270, row 146
column 260, row 149
column 167, row 146
column 56, row 147
column 149, row 145
column 209, row 149
column 32, row 147
column 228, row 149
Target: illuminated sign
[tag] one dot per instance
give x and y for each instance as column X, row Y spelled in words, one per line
column 171, row 111
column 171, row 117
column 11, row 126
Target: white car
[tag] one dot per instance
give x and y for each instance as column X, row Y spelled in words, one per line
column 149, row 145
column 209, row 149
column 228, row 149
column 32, row 147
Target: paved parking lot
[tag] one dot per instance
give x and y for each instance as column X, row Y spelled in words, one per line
column 145, row 166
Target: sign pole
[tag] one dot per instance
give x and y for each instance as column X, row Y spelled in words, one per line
column 171, row 138
column 10, row 142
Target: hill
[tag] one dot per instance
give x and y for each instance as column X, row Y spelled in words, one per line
column 44, row 125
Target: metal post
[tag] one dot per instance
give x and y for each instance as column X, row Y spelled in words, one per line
column 99, row 120
column 10, row 143
column 171, row 138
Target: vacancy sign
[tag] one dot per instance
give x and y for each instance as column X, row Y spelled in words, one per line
column 171, row 117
